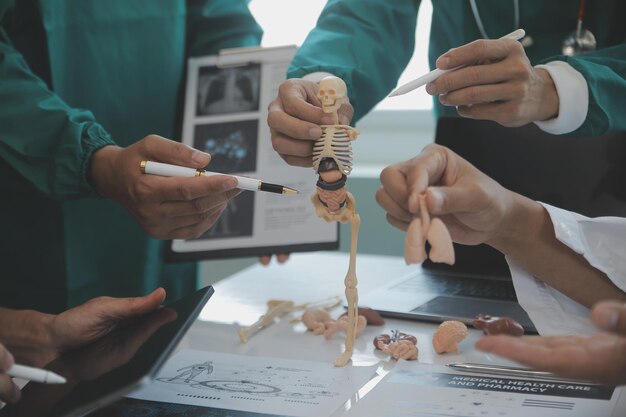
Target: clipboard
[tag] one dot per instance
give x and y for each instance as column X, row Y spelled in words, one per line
column 226, row 100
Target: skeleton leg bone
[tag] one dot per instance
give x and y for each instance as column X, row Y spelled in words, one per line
column 351, row 293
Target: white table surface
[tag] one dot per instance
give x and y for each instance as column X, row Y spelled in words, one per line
column 240, row 300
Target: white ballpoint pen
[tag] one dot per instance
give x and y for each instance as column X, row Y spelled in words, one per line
column 35, row 374
column 436, row 73
column 244, row 183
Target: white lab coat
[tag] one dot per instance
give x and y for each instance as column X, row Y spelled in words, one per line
column 602, row 241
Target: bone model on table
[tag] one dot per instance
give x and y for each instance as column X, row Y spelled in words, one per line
column 422, row 229
column 320, row 322
column 332, row 160
column 277, row 308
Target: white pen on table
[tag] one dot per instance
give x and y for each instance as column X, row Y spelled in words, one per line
column 244, row 183
column 436, row 73
column 35, row 374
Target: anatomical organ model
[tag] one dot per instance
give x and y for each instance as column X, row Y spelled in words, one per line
column 422, row 229
column 399, row 345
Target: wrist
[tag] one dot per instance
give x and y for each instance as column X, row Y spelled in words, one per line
column 573, row 93
column 549, row 100
column 102, row 169
column 521, row 224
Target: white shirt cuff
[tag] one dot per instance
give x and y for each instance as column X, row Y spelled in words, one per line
column 316, row 77
column 600, row 241
column 573, row 93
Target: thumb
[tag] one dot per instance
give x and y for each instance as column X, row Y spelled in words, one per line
column 176, row 153
column 125, row 308
column 429, row 167
column 447, row 200
column 610, row 315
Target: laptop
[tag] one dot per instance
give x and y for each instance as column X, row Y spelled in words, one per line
column 104, row 371
column 585, row 175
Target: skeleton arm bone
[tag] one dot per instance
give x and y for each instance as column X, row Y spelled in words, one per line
column 276, row 309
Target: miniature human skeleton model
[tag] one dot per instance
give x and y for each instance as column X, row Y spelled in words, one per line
column 398, row 345
column 422, row 229
column 448, row 336
column 332, row 160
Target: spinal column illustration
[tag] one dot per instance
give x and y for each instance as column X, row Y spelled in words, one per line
column 332, row 160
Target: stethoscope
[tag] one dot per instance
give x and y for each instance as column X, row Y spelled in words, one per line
column 579, row 41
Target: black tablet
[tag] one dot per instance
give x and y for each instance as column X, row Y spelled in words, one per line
column 106, row 370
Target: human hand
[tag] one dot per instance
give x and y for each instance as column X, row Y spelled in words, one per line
column 9, row 392
column 497, row 83
column 94, row 319
column 294, row 118
column 600, row 358
column 281, row 258
column 166, row 207
column 112, row 350
column 89, row 362
column 474, row 207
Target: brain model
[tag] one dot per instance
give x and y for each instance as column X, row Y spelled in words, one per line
column 448, row 336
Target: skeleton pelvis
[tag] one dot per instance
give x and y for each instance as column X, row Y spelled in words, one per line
column 344, row 215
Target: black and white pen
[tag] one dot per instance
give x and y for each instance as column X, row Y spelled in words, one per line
column 245, row 183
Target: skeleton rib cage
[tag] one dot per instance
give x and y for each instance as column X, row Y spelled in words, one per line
column 334, row 143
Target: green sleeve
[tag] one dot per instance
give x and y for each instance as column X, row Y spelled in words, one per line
column 48, row 142
column 605, row 72
column 218, row 24
column 367, row 43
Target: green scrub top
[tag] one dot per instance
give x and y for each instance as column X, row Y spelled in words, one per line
column 77, row 75
column 368, row 43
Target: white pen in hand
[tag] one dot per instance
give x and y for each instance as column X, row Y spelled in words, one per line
column 244, row 183
column 35, row 374
column 436, row 73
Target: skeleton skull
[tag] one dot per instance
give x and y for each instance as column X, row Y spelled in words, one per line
column 331, row 93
